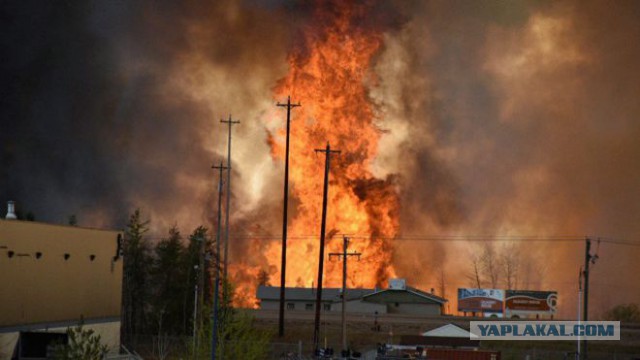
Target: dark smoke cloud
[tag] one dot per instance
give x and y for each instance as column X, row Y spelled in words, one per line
column 58, row 104
column 515, row 117
column 95, row 119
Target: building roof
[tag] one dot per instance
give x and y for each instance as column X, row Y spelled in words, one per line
column 35, row 224
column 449, row 330
column 441, row 343
column 406, row 295
column 308, row 294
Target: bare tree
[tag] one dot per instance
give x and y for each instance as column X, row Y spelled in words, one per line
column 161, row 342
column 162, row 346
column 475, row 274
column 510, row 264
column 533, row 272
column 490, row 264
column 442, row 283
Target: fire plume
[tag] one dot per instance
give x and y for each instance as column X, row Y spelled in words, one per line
column 328, row 75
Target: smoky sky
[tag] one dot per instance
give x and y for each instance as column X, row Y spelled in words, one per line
column 59, row 102
column 90, row 124
column 517, row 117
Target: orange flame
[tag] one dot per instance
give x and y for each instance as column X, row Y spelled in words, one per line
column 329, row 77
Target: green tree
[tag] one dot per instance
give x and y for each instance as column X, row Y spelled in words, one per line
column 197, row 263
column 82, row 344
column 242, row 340
column 624, row 312
column 238, row 337
column 136, row 284
column 168, row 277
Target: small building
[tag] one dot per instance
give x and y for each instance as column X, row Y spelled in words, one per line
column 304, row 299
column 402, row 299
column 445, row 342
column 447, row 336
column 397, row 299
column 52, row 278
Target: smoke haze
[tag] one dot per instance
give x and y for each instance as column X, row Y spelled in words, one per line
column 497, row 119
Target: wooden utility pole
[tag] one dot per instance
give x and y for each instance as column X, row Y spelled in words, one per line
column 344, row 255
column 327, row 166
column 587, row 261
column 216, row 287
column 283, row 266
column 580, row 273
column 226, row 221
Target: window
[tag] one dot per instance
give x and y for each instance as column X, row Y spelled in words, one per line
column 291, row 306
column 308, row 306
column 327, row 307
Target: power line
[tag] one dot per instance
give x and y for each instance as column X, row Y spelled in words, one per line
column 437, row 238
column 620, row 242
column 426, row 238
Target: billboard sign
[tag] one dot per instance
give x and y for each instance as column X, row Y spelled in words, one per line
column 480, row 300
column 526, row 302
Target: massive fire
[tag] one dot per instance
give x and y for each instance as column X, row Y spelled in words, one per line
column 329, row 77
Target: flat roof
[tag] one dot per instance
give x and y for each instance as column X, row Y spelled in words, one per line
column 64, row 226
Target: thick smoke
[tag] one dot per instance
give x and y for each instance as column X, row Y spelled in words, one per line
column 115, row 105
column 530, row 114
column 502, row 118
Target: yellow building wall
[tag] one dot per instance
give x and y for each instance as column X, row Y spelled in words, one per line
column 50, row 288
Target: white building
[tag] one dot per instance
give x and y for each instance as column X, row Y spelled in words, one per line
column 397, row 299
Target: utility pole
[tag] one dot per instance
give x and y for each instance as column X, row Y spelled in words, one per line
column 327, row 166
column 226, row 221
column 216, row 291
column 344, row 255
column 283, row 266
column 588, row 259
column 195, row 316
column 578, row 354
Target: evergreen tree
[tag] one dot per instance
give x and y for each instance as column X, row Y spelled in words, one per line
column 136, row 285
column 168, row 277
column 197, row 266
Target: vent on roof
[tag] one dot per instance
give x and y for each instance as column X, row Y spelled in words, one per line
column 397, row 284
column 11, row 211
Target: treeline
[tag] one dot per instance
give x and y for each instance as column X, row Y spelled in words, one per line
column 167, row 296
column 163, row 282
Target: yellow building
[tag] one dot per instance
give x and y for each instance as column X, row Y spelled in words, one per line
column 51, row 276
